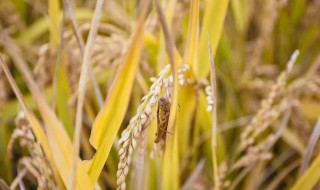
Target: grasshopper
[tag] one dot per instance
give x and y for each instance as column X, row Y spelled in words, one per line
column 163, row 114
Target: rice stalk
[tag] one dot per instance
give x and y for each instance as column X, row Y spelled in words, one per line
column 82, row 86
column 214, row 96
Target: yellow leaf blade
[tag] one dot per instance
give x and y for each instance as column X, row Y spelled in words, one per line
column 193, row 32
column 57, row 137
column 62, row 96
column 309, row 179
column 35, row 125
column 187, row 93
column 212, row 25
column 109, row 119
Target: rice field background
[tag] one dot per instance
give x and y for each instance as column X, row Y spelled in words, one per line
column 160, row 94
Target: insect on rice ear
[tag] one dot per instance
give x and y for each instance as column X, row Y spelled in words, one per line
column 163, row 114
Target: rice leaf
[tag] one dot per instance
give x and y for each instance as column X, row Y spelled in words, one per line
column 62, row 95
column 62, row 90
column 190, row 53
column 238, row 9
column 212, row 25
column 53, row 10
column 293, row 140
column 310, row 178
column 81, row 90
column 187, row 93
column 110, row 117
column 58, row 140
column 42, row 25
column 34, row 123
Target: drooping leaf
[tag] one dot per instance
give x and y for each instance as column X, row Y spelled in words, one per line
column 57, row 137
